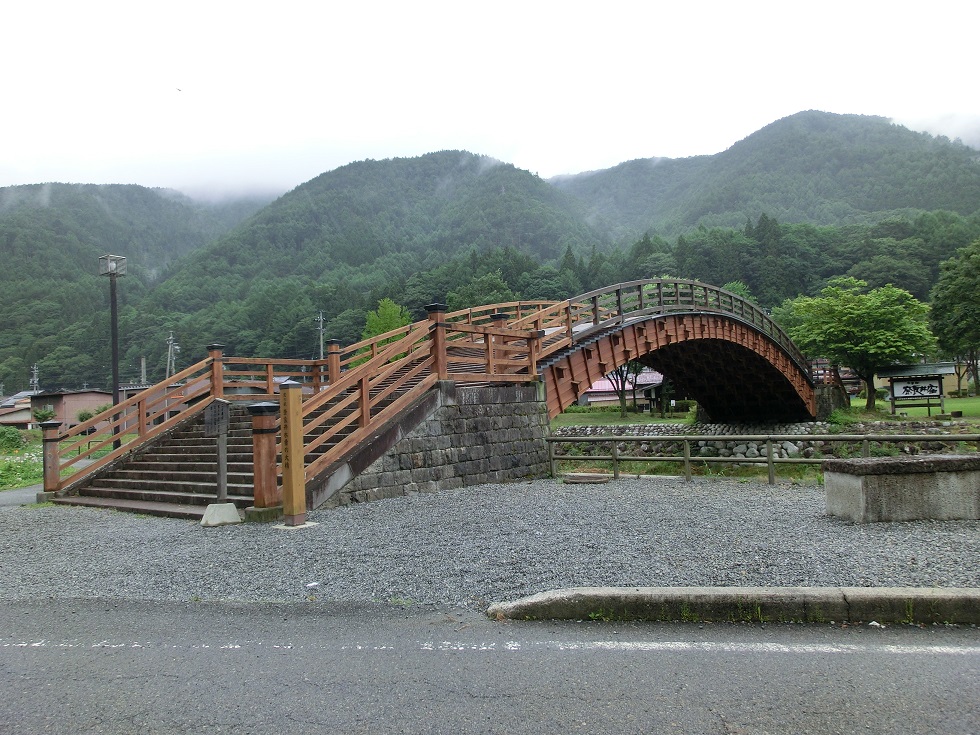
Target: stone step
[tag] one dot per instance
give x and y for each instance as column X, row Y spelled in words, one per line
column 152, row 508
column 205, row 464
column 181, row 454
column 173, row 498
column 203, row 441
column 205, row 477
column 171, row 485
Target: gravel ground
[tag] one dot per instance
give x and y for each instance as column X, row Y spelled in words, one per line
column 486, row 544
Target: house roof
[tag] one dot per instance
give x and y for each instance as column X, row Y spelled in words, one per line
column 21, row 396
column 912, row 371
column 646, row 379
column 65, row 392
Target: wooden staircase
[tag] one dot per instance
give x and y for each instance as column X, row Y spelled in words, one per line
column 164, row 465
column 178, row 476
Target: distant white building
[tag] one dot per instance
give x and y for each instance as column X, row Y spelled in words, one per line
column 603, row 393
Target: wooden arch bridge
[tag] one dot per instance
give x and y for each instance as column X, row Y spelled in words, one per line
column 716, row 347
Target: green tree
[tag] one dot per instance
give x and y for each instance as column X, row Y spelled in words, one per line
column 43, row 414
column 386, row 317
column 740, row 289
column 860, row 328
column 622, row 379
column 955, row 314
column 487, row 289
column 347, row 326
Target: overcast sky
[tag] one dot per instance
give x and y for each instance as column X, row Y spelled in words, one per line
column 228, row 96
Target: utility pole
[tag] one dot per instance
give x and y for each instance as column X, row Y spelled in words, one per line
column 319, row 319
column 172, row 349
column 35, row 379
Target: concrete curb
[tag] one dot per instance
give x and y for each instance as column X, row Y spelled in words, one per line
column 757, row 604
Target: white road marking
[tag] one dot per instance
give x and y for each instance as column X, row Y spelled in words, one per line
column 518, row 646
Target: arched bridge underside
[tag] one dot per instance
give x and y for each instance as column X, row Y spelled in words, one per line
column 736, row 372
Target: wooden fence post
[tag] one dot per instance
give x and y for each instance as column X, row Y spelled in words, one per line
column 437, row 330
column 293, row 465
column 498, row 321
column 265, row 483
column 333, row 360
column 51, row 433
column 216, row 353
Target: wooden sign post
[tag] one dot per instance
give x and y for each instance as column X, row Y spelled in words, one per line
column 217, row 417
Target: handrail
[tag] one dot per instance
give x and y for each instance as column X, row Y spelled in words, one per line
column 614, row 305
column 129, row 424
column 474, row 315
column 387, row 372
column 770, row 439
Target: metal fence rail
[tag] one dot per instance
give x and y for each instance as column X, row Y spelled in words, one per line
column 770, row 460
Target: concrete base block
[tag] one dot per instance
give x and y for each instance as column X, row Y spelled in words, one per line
column 263, row 515
column 945, row 487
column 45, row 497
column 220, row 514
column 585, row 478
column 286, row 527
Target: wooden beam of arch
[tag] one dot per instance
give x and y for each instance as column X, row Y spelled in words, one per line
column 736, row 372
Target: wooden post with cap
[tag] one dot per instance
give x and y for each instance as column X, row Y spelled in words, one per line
column 266, row 494
column 437, row 330
column 333, row 360
column 215, row 352
column 51, row 433
column 293, row 466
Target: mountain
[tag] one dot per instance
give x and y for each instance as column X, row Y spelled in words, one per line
column 805, row 198
column 814, row 167
column 356, row 234
column 51, row 236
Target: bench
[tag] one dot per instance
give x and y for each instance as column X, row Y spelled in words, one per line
column 874, row 489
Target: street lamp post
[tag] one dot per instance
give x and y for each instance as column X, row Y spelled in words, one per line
column 113, row 266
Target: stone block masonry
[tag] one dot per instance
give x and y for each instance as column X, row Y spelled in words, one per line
column 871, row 490
column 474, row 436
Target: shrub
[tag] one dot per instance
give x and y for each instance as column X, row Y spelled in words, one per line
column 842, row 417
column 10, row 439
column 630, row 408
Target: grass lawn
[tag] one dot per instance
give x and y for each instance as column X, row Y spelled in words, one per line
column 969, row 406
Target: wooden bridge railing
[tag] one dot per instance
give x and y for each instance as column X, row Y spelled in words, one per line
column 386, row 373
column 570, row 321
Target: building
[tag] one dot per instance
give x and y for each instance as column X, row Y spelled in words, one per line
column 67, row 404
column 15, row 410
column 603, row 392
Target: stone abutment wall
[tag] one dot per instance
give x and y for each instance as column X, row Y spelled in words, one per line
column 478, row 435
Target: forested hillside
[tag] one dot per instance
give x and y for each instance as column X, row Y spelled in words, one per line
column 813, row 167
column 804, row 199
column 52, row 302
column 352, row 236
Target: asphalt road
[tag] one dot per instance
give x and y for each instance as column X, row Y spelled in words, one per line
column 185, row 667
